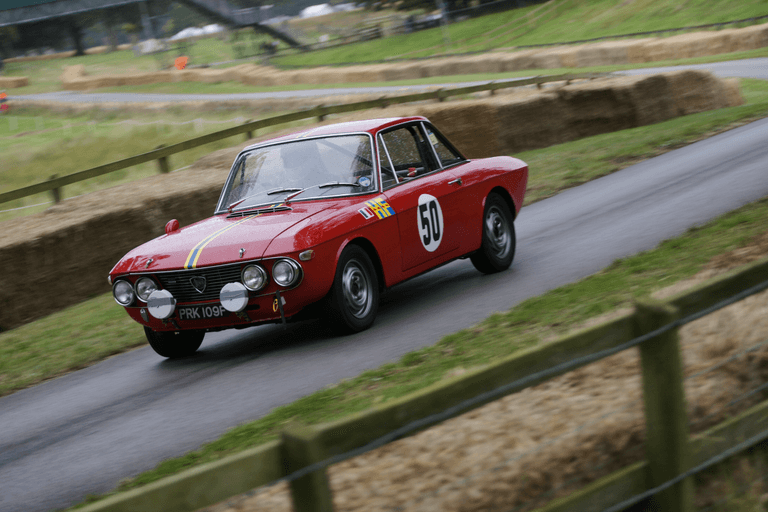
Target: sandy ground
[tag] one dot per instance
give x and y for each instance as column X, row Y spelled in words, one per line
column 521, row 451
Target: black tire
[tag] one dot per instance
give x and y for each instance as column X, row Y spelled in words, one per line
column 354, row 297
column 498, row 247
column 174, row 344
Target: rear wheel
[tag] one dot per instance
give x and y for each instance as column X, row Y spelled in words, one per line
column 354, row 297
column 174, row 344
column 498, row 247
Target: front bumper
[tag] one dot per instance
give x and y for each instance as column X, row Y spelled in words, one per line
column 260, row 310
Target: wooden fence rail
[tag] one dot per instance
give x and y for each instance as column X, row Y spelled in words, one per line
column 161, row 154
column 669, row 448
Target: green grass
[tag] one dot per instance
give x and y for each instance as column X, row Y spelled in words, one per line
column 555, row 21
column 37, row 144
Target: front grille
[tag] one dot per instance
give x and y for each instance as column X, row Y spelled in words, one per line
column 180, row 285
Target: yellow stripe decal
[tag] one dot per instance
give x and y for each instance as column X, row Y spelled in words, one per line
column 194, row 254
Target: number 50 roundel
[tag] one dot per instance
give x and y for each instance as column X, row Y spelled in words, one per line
column 429, row 217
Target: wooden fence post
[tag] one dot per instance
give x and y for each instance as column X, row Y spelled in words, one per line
column 301, row 447
column 162, row 162
column 55, row 192
column 666, row 420
column 249, row 133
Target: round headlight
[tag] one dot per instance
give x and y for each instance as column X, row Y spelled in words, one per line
column 144, row 287
column 254, row 277
column 285, row 272
column 123, row 292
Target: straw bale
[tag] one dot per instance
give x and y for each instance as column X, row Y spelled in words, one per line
column 559, row 57
column 750, row 38
column 214, row 76
column 652, row 98
column 530, row 122
column 441, row 67
column 600, row 54
column 459, row 121
column 403, row 71
column 517, row 61
column 10, row 82
column 696, row 91
column 324, row 75
column 591, row 108
column 548, row 59
column 732, row 92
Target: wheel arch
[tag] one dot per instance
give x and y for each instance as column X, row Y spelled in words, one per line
column 372, row 253
column 504, row 194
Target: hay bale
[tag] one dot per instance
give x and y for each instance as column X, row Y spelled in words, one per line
column 459, row 121
column 11, row 82
column 558, row 57
column 604, row 53
column 547, row 59
column 441, row 67
column 696, row 91
column 530, row 122
column 591, row 108
column 403, row 71
column 732, row 92
column 749, row 38
column 518, row 60
column 652, row 99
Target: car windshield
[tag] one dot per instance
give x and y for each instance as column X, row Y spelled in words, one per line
column 323, row 167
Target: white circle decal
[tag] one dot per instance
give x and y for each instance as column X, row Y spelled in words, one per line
column 429, row 217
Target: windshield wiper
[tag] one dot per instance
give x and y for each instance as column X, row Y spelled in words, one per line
column 269, row 193
column 278, row 190
column 322, row 185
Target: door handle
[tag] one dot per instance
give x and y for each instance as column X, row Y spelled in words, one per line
column 457, row 181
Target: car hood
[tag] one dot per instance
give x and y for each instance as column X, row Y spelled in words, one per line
column 216, row 240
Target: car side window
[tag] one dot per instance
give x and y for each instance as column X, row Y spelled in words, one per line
column 447, row 154
column 409, row 152
column 388, row 176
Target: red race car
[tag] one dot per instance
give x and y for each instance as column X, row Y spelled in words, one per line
column 318, row 223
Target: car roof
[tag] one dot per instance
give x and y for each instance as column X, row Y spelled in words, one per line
column 368, row 125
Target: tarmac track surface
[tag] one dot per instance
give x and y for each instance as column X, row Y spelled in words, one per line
column 84, row 432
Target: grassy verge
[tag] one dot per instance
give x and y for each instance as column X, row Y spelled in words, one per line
column 47, row 347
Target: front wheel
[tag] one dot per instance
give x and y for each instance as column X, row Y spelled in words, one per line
column 498, row 247
column 354, row 297
column 174, row 344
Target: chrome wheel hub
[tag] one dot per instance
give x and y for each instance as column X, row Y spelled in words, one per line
column 498, row 233
column 356, row 286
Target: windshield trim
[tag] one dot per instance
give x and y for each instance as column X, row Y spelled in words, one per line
column 221, row 208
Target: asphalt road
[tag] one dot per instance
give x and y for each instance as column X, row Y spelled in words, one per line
column 84, row 432
column 754, row 68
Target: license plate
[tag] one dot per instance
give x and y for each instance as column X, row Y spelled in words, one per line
column 201, row 312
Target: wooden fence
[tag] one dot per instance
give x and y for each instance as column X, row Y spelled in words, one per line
column 162, row 153
column 669, row 449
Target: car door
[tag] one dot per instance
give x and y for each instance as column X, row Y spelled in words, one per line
column 424, row 196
